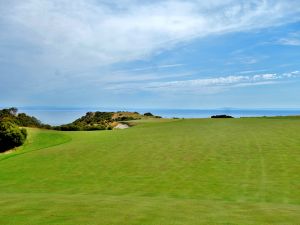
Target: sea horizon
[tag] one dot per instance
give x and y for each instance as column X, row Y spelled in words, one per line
column 55, row 115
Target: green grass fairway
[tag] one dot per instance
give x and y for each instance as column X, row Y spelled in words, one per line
column 193, row 171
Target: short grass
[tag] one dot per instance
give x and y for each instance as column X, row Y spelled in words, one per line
column 192, row 171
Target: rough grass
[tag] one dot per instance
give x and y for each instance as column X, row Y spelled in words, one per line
column 197, row 171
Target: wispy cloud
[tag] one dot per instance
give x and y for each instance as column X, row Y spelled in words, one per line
column 89, row 32
column 293, row 39
column 125, row 78
column 158, row 67
column 209, row 85
column 76, row 52
column 290, row 41
column 252, row 71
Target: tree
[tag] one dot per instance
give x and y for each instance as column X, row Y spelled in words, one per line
column 11, row 135
column 28, row 121
column 13, row 111
column 21, row 119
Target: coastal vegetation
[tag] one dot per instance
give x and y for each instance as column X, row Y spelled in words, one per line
column 21, row 119
column 11, row 135
column 221, row 116
column 89, row 122
column 103, row 120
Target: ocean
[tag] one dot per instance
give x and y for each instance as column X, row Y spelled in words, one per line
column 58, row 116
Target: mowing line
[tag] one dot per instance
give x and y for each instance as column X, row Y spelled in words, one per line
column 263, row 176
column 248, row 166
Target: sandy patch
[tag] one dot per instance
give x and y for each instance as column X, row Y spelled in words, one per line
column 121, row 126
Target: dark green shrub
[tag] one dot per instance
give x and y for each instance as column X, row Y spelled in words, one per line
column 125, row 118
column 221, row 116
column 148, row 114
column 11, row 135
column 95, row 127
column 69, row 127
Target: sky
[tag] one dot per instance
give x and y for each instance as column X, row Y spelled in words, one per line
column 150, row 54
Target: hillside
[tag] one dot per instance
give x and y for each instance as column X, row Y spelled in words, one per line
column 197, row 171
column 103, row 120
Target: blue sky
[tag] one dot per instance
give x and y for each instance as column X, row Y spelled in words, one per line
column 150, row 54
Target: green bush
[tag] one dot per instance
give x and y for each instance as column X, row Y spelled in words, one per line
column 220, row 116
column 11, row 135
column 125, row 118
column 148, row 114
column 95, row 127
column 68, row 127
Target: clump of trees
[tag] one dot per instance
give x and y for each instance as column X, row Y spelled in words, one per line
column 221, row 116
column 148, row 114
column 21, row 119
column 11, row 135
column 101, row 120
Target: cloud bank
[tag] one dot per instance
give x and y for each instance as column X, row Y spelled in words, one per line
column 106, row 51
column 70, row 33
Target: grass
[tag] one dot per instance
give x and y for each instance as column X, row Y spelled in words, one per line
column 195, row 171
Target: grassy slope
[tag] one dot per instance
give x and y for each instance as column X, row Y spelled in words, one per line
column 232, row 171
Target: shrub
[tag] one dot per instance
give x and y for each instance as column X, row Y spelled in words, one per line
column 148, row 114
column 221, row 116
column 11, row 135
column 125, row 118
column 68, row 127
column 94, row 127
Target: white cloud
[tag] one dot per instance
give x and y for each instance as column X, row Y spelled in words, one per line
column 209, row 85
column 292, row 39
column 270, row 76
column 158, row 67
column 293, row 74
column 91, row 32
column 252, row 71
